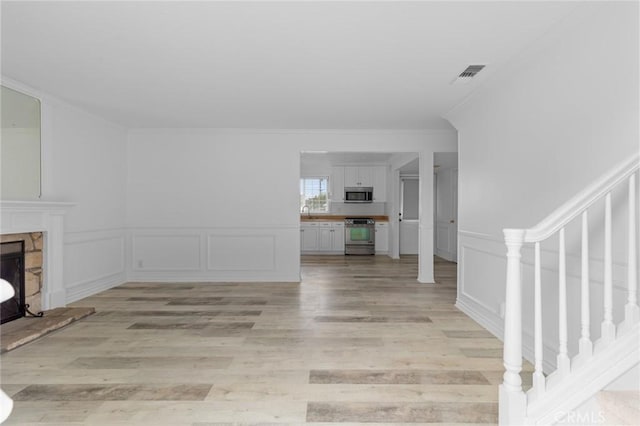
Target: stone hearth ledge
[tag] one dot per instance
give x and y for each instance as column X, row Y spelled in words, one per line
column 27, row 329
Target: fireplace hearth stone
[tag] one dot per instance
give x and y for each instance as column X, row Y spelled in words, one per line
column 26, row 329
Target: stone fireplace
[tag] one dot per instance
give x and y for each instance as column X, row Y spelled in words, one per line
column 39, row 224
column 22, row 267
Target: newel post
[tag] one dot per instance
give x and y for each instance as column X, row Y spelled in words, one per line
column 512, row 400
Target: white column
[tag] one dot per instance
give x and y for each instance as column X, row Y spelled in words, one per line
column 512, row 401
column 425, row 214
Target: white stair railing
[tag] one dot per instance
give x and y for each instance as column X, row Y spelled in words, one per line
column 514, row 403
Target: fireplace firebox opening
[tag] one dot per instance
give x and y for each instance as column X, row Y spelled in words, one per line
column 12, row 269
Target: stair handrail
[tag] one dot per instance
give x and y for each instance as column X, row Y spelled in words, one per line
column 513, row 402
column 582, row 201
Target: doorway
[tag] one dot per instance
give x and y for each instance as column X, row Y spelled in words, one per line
column 446, row 205
column 409, row 219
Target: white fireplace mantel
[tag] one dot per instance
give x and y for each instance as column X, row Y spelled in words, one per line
column 47, row 217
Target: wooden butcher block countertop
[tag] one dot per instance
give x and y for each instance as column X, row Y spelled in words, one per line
column 338, row 218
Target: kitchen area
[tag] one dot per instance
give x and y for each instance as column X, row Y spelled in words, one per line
column 344, row 203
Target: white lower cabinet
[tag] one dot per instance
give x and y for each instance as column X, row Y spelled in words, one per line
column 322, row 237
column 337, row 243
column 382, row 237
column 308, row 236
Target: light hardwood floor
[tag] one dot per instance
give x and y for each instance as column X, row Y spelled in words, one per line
column 359, row 340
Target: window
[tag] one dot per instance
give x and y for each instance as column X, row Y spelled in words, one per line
column 313, row 193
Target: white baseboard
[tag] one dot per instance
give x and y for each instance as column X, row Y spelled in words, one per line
column 93, row 262
column 479, row 315
column 90, row 288
column 174, row 277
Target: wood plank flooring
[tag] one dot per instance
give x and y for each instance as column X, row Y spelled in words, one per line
column 358, row 341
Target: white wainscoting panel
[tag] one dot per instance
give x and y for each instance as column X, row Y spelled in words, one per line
column 241, row 252
column 481, row 291
column 259, row 253
column 481, row 270
column 93, row 262
column 166, row 252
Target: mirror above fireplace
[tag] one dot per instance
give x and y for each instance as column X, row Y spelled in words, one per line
column 19, row 146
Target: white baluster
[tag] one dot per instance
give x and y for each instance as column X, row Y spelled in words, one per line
column 585, row 344
column 538, row 375
column 563, row 357
column 608, row 328
column 631, row 309
column 512, row 401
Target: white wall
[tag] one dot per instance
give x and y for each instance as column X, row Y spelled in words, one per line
column 221, row 205
column 561, row 115
column 83, row 161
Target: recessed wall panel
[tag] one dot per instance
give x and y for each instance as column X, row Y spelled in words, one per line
column 166, row 252
column 241, row 252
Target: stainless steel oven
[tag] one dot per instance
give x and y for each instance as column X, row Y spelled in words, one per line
column 360, row 235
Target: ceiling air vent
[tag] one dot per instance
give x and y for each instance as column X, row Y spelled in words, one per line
column 471, row 71
column 466, row 75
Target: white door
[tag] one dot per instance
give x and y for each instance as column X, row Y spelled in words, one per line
column 454, row 225
column 446, row 214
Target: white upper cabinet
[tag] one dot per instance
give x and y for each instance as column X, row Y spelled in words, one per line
column 358, row 176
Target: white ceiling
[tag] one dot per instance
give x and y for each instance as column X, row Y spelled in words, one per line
column 312, row 64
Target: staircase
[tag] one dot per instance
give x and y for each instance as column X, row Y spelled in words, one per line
column 561, row 390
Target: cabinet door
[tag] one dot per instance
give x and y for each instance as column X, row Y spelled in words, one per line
column 308, row 238
column 365, row 176
column 380, row 184
column 336, row 182
column 324, row 237
column 382, row 237
column 338, row 237
column 351, row 176
column 358, row 176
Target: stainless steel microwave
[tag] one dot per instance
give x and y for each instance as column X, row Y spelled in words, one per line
column 358, row 194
